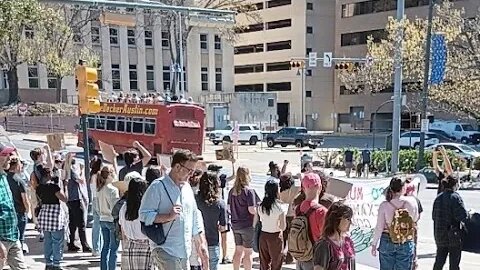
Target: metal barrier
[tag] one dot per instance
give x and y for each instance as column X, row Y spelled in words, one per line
column 25, row 126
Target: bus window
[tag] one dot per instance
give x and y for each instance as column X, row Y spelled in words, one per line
column 150, row 126
column 121, row 124
column 91, row 121
column 129, row 125
column 111, row 123
column 100, row 123
column 138, row 125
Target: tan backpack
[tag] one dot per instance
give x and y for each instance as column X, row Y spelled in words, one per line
column 300, row 242
column 402, row 228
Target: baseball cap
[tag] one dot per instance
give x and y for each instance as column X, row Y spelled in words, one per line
column 311, row 180
column 6, row 150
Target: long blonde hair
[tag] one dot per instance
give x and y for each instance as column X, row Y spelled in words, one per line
column 104, row 176
column 242, row 180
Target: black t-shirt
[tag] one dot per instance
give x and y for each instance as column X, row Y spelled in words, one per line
column 348, row 156
column 46, row 193
column 213, row 215
column 17, row 188
column 366, row 156
column 136, row 167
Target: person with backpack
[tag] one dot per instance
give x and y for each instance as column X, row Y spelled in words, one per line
column 107, row 196
column 273, row 223
column 336, row 250
column 136, row 247
column 307, row 225
column 243, row 201
column 395, row 229
column 288, row 192
column 448, row 215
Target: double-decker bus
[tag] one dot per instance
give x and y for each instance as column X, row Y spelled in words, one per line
column 160, row 127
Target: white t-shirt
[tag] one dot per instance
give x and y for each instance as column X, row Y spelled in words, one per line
column 270, row 223
column 131, row 229
column 93, row 185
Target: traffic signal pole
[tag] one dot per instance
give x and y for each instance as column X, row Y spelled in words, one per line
column 86, row 154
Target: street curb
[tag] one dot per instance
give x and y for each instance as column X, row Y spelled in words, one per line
column 466, row 189
column 295, row 150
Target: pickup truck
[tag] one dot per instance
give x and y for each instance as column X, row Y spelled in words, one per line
column 297, row 136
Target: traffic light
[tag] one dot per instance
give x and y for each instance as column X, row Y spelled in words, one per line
column 297, row 64
column 88, row 95
column 350, row 66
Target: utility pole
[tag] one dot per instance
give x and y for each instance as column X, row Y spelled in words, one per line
column 302, row 70
column 397, row 92
column 426, row 71
column 182, row 75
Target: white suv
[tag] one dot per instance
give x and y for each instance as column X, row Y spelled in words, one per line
column 247, row 133
column 411, row 139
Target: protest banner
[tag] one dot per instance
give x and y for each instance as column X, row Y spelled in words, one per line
column 56, row 141
column 108, row 152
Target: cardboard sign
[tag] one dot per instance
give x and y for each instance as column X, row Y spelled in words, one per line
column 56, row 141
column 226, row 153
column 108, row 152
column 164, row 160
column 338, row 188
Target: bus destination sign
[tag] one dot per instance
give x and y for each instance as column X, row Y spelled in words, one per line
column 128, row 108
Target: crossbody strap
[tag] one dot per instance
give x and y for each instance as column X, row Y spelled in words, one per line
column 171, row 201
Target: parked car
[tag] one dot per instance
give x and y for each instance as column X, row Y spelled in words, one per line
column 463, row 132
column 461, row 150
column 248, row 133
column 297, row 136
column 411, row 139
column 442, row 135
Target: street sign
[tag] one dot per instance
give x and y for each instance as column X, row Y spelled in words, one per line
column 236, row 133
column 312, row 59
column 424, row 125
column 327, row 59
column 22, row 108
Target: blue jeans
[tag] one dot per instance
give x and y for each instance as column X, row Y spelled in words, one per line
column 53, row 247
column 110, row 246
column 96, row 237
column 395, row 256
column 213, row 256
column 22, row 224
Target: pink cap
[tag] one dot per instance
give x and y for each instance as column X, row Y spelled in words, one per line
column 311, row 180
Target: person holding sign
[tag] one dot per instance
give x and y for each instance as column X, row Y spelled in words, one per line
column 447, row 170
column 395, row 229
column 133, row 162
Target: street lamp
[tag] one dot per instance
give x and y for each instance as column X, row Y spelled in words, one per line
column 301, row 72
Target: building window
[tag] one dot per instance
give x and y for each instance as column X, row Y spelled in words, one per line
column 248, row 69
column 254, row 48
column 280, row 45
column 131, row 36
column 133, row 77
column 308, row 93
column 308, row 51
column 77, row 35
column 148, row 38
column 203, row 41
column 309, row 30
column 33, row 81
column 150, row 78
column 278, row 3
column 99, row 76
column 218, row 42
column 279, row 24
column 258, row 6
column 166, row 79
column 116, row 77
column 249, row 88
column 165, row 39
column 29, row 33
column 360, row 38
column 251, row 28
column 5, row 79
column 95, row 34
column 271, row 102
column 281, row 86
column 113, row 36
column 204, row 75
column 278, row 66
column 375, row 6
column 218, row 79
column 51, row 81
column 309, row 6
column 308, row 72
column 345, row 91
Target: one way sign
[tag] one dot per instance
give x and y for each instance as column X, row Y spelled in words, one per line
column 327, row 59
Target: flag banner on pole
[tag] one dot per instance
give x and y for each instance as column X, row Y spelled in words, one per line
column 438, row 59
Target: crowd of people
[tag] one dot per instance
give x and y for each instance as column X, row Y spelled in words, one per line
column 179, row 217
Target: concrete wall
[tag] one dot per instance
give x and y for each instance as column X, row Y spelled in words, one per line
column 251, row 108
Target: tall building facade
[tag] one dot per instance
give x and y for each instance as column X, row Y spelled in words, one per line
column 355, row 21
column 288, row 29
column 136, row 60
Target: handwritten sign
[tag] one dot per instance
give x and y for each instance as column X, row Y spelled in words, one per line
column 226, row 153
column 127, row 108
column 164, row 160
